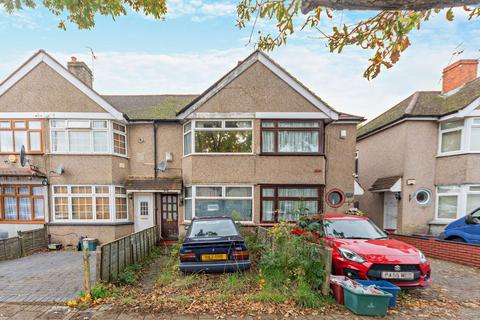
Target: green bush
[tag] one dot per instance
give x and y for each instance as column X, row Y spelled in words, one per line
column 293, row 265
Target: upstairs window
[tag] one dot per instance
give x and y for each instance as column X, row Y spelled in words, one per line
column 87, row 136
column 218, row 136
column 475, row 135
column 292, row 137
column 17, row 133
column 451, row 136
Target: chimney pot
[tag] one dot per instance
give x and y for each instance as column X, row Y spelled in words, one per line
column 458, row 74
column 81, row 71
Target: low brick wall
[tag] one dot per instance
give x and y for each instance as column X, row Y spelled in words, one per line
column 466, row 254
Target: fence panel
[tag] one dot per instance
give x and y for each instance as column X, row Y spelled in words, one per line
column 26, row 243
column 115, row 256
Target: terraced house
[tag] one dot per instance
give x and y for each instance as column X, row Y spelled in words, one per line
column 256, row 144
column 420, row 160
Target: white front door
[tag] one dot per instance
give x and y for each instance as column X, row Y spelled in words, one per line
column 390, row 211
column 143, row 207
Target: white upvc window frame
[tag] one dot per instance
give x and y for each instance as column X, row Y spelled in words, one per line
column 89, row 126
column 466, row 135
column 223, row 196
column 462, row 194
column 93, row 195
column 193, row 129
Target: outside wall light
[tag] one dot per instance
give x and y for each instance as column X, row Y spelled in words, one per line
column 398, row 196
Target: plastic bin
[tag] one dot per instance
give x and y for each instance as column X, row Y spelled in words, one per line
column 337, row 288
column 384, row 286
column 366, row 304
column 92, row 244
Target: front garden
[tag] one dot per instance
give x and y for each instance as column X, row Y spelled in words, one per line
column 286, row 279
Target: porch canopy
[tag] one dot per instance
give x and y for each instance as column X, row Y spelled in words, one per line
column 387, row 184
column 25, row 172
column 153, row 185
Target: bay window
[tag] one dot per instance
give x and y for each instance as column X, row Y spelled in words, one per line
column 233, row 201
column 218, row 136
column 17, row 133
column 292, row 137
column 87, row 136
column 455, row 201
column 22, row 203
column 459, row 136
column 90, row 203
column 287, row 201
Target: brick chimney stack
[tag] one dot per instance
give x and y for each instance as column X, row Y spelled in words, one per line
column 81, row 71
column 459, row 73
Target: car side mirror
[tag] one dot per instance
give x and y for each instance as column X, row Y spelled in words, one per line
column 469, row 219
column 187, row 227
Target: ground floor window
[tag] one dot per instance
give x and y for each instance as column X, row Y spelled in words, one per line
column 22, row 203
column 286, row 202
column 455, row 201
column 89, row 203
column 215, row 200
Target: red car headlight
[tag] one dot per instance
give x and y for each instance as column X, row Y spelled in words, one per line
column 422, row 257
column 350, row 255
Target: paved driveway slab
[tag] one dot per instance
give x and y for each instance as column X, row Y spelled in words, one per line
column 43, row 277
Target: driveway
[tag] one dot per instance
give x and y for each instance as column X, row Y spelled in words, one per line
column 43, row 277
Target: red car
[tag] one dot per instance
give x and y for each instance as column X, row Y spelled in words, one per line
column 361, row 250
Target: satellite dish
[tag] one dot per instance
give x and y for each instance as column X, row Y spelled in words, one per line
column 23, row 156
column 162, row 166
column 60, row 169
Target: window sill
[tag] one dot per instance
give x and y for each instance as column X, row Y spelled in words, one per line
column 292, row 154
column 86, row 154
column 22, row 222
column 441, row 222
column 218, row 154
column 449, row 154
column 77, row 223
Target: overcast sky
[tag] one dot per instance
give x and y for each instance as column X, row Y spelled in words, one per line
column 198, row 42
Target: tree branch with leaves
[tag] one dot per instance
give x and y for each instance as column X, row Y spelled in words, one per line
column 386, row 33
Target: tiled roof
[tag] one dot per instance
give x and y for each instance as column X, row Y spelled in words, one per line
column 149, row 107
column 424, row 104
column 21, row 172
column 384, row 183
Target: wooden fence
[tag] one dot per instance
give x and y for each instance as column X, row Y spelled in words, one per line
column 115, row 256
column 322, row 253
column 26, row 243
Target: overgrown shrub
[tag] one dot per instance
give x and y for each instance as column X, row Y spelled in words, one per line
column 293, row 265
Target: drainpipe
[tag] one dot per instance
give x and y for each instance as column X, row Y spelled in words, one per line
column 155, row 207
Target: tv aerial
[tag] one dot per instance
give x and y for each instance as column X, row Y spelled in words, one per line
column 23, row 156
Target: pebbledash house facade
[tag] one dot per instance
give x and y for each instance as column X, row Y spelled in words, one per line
column 257, row 144
column 420, row 160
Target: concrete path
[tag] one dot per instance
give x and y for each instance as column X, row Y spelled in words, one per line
column 43, row 277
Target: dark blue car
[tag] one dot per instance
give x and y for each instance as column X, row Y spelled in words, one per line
column 213, row 244
column 466, row 229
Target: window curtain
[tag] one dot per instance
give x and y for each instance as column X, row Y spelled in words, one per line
column 475, row 139
column 451, row 141
column 187, row 143
column 473, row 202
column 267, row 210
column 25, row 208
column 298, row 141
column 268, row 141
column 10, row 208
column 288, row 209
column 447, row 207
